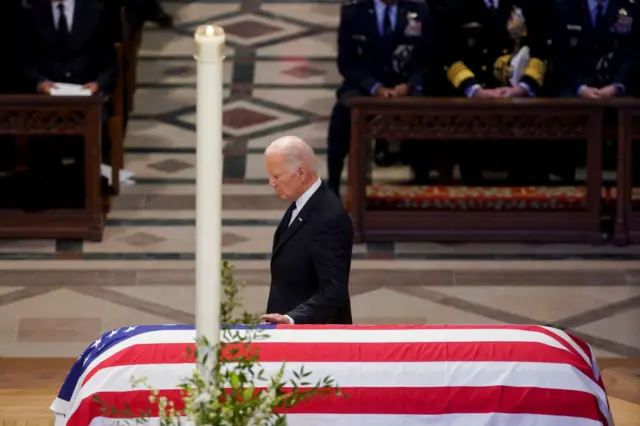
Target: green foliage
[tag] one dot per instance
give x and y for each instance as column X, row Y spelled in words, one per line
column 229, row 387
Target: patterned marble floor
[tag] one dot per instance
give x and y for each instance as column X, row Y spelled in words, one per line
column 57, row 296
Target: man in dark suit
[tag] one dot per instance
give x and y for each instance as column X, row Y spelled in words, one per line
column 385, row 49
column 66, row 41
column 312, row 246
column 69, row 41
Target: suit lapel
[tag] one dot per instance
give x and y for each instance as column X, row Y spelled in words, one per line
column 610, row 16
column 44, row 14
column 284, row 235
column 372, row 20
column 296, row 225
column 83, row 20
column 278, row 234
column 587, row 15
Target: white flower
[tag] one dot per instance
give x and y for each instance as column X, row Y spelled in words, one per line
column 202, row 399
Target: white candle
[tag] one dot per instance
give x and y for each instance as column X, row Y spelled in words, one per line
column 210, row 51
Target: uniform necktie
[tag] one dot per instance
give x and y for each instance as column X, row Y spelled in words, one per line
column 387, row 28
column 63, row 26
column 288, row 214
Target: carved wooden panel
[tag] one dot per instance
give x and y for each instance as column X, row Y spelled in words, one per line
column 42, row 122
column 417, row 125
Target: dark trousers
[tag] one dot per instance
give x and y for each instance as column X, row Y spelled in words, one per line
column 338, row 141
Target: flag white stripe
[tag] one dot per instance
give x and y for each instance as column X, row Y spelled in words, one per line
column 564, row 336
column 603, row 403
column 395, row 374
column 482, row 419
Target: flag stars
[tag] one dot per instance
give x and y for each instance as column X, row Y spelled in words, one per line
column 130, row 329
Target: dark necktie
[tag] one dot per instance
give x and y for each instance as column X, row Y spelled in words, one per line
column 287, row 216
column 387, row 28
column 63, row 26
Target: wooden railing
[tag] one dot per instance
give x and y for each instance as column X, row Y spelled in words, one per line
column 430, row 119
column 39, row 115
column 627, row 218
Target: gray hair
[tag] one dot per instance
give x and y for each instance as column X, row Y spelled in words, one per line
column 295, row 151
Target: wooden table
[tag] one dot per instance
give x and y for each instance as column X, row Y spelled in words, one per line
column 37, row 115
column 475, row 119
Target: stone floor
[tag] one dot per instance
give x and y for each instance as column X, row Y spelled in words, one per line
column 57, row 296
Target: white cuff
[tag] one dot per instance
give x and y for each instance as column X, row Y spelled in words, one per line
column 471, row 91
column 291, row 321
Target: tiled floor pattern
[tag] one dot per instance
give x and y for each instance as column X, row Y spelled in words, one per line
column 280, row 76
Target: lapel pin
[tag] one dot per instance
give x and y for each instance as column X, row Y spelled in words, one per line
column 300, row 219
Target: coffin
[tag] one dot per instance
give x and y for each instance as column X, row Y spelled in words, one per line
column 506, row 375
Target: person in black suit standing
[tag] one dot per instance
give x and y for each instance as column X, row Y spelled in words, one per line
column 66, row 41
column 311, row 258
column 69, row 41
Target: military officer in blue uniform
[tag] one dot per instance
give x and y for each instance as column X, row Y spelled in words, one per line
column 385, row 49
column 595, row 47
column 494, row 49
column 595, row 53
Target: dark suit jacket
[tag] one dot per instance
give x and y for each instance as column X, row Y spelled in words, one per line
column 365, row 58
column 87, row 55
column 311, row 262
column 577, row 47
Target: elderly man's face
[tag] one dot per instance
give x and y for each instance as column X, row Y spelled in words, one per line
column 287, row 182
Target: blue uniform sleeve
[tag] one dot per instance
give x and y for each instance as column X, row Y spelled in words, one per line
column 350, row 64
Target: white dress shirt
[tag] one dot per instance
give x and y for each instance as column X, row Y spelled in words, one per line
column 300, row 202
column 69, row 7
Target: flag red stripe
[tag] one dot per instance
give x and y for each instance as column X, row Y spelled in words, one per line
column 532, row 328
column 416, row 401
column 176, row 353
